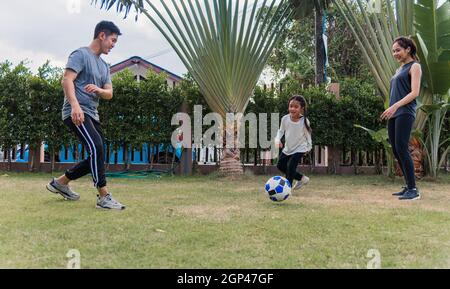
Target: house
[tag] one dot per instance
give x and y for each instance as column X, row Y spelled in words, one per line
column 139, row 67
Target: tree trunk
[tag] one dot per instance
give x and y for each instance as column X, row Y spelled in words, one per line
column 108, row 152
column 353, row 157
column 22, row 150
column 34, row 158
column 150, row 149
column 333, row 160
column 52, row 160
column 3, row 168
column 353, row 161
column 125, row 157
column 378, row 162
column 75, row 152
column 172, row 166
column 230, row 164
column 30, row 159
column 9, row 159
column 417, row 155
column 320, row 47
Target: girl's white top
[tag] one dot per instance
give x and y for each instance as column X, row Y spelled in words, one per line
column 297, row 137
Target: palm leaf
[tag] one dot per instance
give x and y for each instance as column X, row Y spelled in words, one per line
column 433, row 39
column 374, row 34
column 224, row 51
column 380, row 136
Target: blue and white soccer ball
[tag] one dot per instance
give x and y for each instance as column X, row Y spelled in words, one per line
column 278, row 189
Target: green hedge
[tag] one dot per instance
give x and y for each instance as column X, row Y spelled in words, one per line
column 30, row 109
column 331, row 119
column 141, row 112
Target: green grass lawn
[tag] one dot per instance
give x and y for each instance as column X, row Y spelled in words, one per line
column 208, row 222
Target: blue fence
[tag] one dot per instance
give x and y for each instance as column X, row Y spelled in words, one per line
column 135, row 156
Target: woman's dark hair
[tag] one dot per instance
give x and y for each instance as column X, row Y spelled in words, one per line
column 106, row 26
column 301, row 99
column 406, row 43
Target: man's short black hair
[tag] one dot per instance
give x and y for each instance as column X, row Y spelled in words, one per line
column 108, row 27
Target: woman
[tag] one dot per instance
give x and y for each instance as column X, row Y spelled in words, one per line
column 401, row 114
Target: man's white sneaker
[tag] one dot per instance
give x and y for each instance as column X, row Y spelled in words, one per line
column 107, row 202
column 63, row 190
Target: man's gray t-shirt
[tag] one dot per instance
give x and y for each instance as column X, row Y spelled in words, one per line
column 90, row 69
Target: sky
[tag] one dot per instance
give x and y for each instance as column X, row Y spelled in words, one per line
column 40, row 30
column 51, row 29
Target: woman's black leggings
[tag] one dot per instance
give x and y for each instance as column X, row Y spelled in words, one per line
column 399, row 130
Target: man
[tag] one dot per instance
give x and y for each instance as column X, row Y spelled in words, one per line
column 86, row 80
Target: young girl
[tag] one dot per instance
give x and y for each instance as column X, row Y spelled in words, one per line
column 297, row 131
column 401, row 114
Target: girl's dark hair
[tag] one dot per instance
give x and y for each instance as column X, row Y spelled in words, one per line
column 301, row 99
column 406, row 43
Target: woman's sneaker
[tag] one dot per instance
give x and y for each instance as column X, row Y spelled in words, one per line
column 63, row 190
column 412, row 194
column 107, row 202
column 401, row 193
column 301, row 183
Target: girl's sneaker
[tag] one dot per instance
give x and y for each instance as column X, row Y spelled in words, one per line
column 301, row 183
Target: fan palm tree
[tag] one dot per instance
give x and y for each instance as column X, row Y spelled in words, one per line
column 223, row 44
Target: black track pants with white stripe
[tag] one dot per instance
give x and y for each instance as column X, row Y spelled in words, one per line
column 90, row 134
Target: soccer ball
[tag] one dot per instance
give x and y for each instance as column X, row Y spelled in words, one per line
column 278, row 189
